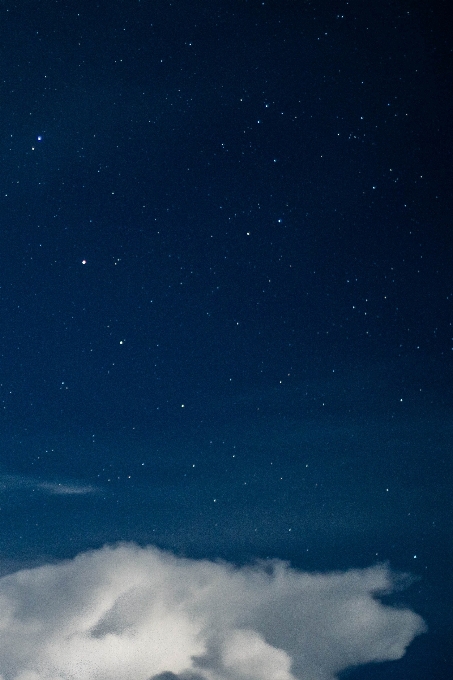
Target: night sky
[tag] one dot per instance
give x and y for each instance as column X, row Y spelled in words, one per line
column 226, row 292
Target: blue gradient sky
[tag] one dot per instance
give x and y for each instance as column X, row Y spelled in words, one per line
column 225, row 303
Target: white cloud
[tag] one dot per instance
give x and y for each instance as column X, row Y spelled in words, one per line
column 130, row 613
column 25, row 483
column 61, row 489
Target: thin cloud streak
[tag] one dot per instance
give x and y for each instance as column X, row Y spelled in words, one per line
column 66, row 489
column 25, row 483
column 131, row 613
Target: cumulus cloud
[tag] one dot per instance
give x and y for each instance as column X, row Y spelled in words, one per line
column 131, row 613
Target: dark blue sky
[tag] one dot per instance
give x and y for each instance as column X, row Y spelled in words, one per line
column 226, row 288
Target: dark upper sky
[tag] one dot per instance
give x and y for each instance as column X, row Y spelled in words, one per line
column 226, row 286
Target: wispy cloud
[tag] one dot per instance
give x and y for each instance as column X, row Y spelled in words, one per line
column 130, row 613
column 23, row 482
column 65, row 489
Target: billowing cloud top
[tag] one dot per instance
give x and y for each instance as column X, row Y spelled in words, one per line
column 130, row 613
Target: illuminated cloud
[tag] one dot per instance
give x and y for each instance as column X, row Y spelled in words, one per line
column 130, row 613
